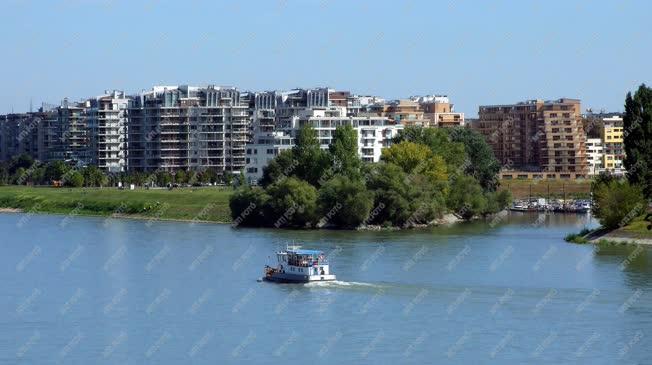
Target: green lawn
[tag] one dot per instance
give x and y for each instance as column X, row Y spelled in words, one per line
column 203, row 204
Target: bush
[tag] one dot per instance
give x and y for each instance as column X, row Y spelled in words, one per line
column 466, row 198
column 74, row 179
column 617, row 203
column 247, row 206
column 292, row 203
column 344, row 202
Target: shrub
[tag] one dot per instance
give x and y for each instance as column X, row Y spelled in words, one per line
column 344, row 202
column 617, row 203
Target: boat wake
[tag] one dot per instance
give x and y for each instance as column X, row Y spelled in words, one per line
column 339, row 283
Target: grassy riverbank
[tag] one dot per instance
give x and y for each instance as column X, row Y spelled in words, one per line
column 636, row 232
column 521, row 189
column 202, row 204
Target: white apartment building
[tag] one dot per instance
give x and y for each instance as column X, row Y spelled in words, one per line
column 595, row 155
column 374, row 134
column 107, row 121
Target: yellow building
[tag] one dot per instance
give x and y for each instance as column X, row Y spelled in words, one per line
column 614, row 152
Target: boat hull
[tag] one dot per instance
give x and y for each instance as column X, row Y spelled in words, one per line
column 288, row 278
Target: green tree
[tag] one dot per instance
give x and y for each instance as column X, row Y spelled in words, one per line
column 466, row 198
column 439, row 142
column 482, row 163
column 282, row 166
column 162, row 178
column 344, row 202
column 55, row 171
column 180, row 177
column 248, row 206
column 418, row 159
column 637, row 126
column 74, row 179
column 312, row 161
column 497, row 201
column 401, row 199
column 93, row 176
column 617, row 202
column 344, row 151
column 292, row 203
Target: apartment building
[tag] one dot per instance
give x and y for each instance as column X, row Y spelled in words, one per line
column 595, row 155
column 276, row 129
column 188, row 128
column 614, row 149
column 439, row 111
column 107, row 123
column 543, row 137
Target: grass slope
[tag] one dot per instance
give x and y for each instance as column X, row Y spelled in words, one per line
column 520, row 189
column 203, row 204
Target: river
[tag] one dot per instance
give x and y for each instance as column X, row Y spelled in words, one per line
column 85, row 290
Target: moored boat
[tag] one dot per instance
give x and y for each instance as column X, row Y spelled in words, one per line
column 296, row 265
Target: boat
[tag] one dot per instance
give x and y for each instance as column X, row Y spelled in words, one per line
column 297, row 265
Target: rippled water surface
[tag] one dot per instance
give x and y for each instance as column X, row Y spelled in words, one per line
column 89, row 290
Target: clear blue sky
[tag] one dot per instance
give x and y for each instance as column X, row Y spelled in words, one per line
column 477, row 52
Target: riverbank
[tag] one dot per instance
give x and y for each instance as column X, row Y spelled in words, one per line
column 635, row 233
column 206, row 204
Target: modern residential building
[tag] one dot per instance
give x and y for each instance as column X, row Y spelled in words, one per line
column 188, row 128
column 439, row 111
column 595, row 155
column 542, row 137
column 613, row 140
column 107, row 123
column 279, row 116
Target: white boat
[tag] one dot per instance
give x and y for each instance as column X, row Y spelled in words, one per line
column 296, row 265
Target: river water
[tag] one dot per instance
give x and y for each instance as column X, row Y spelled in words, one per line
column 95, row 291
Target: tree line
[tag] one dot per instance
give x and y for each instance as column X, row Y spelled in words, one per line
column 24, row 170
column 425, row 174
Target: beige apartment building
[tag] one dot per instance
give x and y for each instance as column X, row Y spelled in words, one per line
column 544, row 139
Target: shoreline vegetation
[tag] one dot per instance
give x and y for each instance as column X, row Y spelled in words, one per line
column 426, row 176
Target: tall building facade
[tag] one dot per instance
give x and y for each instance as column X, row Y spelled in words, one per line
column 613, row 141
column 107, row 124
column 542, row 137
column 188, row 128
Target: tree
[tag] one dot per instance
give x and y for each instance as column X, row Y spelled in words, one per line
column 439, row 142
column 55, row 171
column 74, row 179
column 312, row 161
column 344, row 151
column 408, row 155
column 180, row 177
column 417, row 159
column 466, row 197
column 163, row 178
column 617, row 202
column 282, row 166
column 292, row 203
column 404, row 200
column 247, row 206
column 482, row 163
column 637, row 126
column 93, row 176
column 344, row 202
column 497, row 201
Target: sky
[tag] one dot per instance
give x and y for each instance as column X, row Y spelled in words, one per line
column 476, row 52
